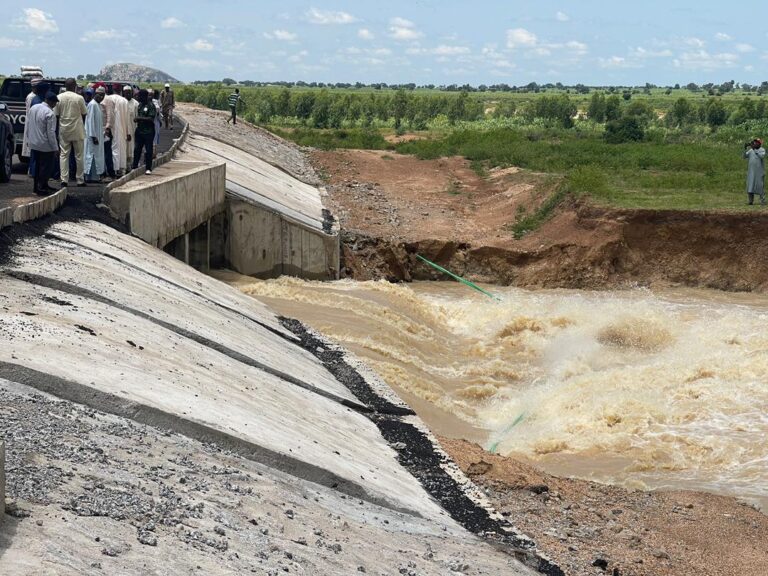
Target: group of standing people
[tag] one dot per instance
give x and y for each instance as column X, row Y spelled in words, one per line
column 105, row 133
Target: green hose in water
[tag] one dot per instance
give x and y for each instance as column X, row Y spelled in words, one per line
column 492, row 448
column 495, row 445
column 459, row 278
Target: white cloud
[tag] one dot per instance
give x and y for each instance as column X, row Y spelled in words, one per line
column 695, row 42
column 744, row 48
column 199, row 45
column 283, row 35
column 723, row 37
column 618, row 62
column 402, row 29
column 365, row 34
column 316, row 16
column 194, row 63
column 521, row 37
column 299, row 56
column 100, row 35
column 576, row 47
column 38, row 21
column 442, row 50
column 562, row 17
column 10, row 43
column 172, row 22
column 641, row 52
column 703, row 60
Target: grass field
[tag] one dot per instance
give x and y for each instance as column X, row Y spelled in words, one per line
column 676, row 153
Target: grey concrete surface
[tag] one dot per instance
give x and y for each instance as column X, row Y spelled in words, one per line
column 174, row 200
column 99, row 494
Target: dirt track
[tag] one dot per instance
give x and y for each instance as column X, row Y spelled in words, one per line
column 391, row 206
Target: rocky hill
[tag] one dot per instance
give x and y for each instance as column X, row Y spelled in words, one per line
column 134, row 73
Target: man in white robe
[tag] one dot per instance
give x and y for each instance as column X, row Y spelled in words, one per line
column 129, row 124
column 94, row 136
column 117, row 107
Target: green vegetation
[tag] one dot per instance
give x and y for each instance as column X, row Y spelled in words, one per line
column 674, row 147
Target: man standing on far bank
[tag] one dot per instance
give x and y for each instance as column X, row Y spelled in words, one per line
column 71, row 111
column 755, row 154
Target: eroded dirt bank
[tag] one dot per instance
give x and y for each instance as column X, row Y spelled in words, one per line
column 590, row 528
column 392, row 206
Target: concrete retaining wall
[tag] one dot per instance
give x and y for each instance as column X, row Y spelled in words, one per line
column 266, row 244
column 32, row 210
column 177, row 198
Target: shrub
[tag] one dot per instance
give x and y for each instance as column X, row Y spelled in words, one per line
column 626, row 129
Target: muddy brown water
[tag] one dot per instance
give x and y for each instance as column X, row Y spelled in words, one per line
column 637, row 388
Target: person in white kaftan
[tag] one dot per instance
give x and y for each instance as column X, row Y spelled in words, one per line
column 94, row 137
column 129, row 124
column 119, row 108
column 755, row 155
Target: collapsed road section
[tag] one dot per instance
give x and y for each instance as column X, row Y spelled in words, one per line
column 151, row 412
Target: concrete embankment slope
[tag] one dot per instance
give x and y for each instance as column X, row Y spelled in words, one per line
column 101, row 319
column 274, row 220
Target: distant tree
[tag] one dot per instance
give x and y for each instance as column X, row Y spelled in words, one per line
column 321, row 110
column 613, row 107
column 304, row 104
column 641, row 110
column 625, row 129
column 627, row 95
column 716, row 114
column 597, row 107
column 229, row 81
column 399, row 107
column 680, row 113
column 283, row 103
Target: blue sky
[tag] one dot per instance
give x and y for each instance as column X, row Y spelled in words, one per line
column 396, row 41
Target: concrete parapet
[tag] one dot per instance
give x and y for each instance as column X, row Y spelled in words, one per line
column 177, row 198
column 32, row 210
column 166, row 156
column 6, row 217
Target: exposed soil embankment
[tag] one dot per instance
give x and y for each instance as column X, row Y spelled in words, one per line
column 391, row 206
column 589, row 247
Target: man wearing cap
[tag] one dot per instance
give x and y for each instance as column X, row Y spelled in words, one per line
column 71, row 111
column 755, row 154
column 167, row 103
column 41, row 121
column 94, row 136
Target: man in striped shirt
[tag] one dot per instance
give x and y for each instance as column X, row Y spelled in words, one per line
column 234, row 100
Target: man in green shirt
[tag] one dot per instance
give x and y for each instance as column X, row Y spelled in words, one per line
column 144, row 137
column 234, row 100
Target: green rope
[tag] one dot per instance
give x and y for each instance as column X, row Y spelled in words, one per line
column 459, row 278
column 507, row 430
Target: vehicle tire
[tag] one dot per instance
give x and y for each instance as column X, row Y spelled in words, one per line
column 6, row 166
